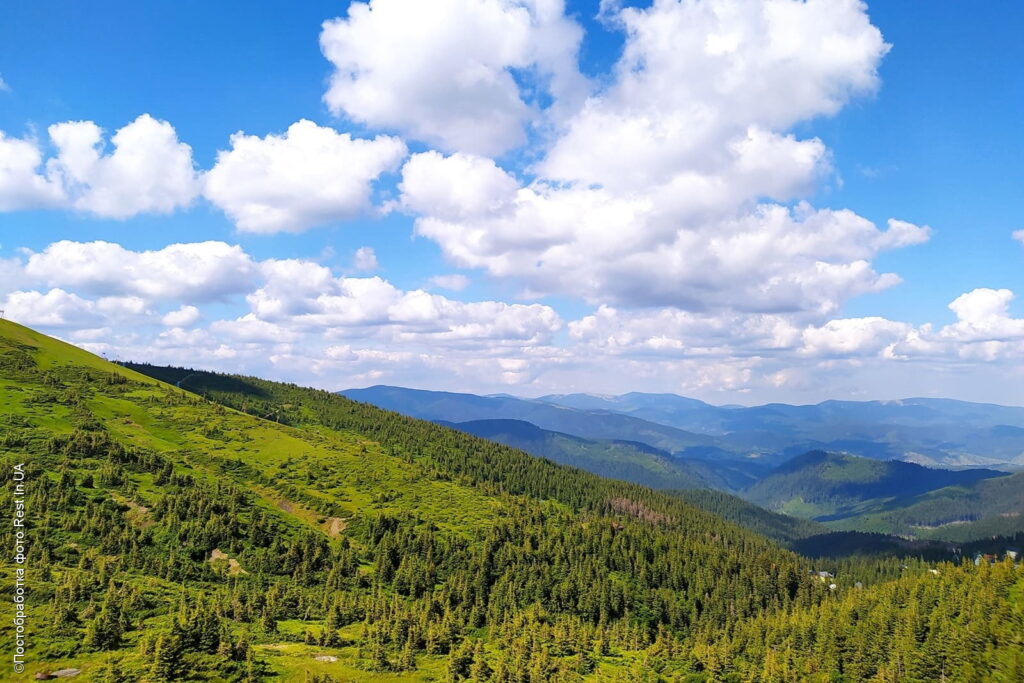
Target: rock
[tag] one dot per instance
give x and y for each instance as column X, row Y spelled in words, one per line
column 65, row 673
column 326, row 658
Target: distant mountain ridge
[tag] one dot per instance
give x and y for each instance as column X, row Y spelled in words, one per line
column 987, row 508
column 929, row 431
column 829, row 486
column 457, row 407
column 614, row 458
column 918, row 468
column 932, row 432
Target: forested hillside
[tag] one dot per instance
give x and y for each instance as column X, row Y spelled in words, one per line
column 237, row 529
column 628, row 460
column 782, row 528
column 938, row 433
column 831, row 486
column 455, row 407
column 986, row 508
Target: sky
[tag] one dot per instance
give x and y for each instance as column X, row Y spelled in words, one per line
column 740, row 201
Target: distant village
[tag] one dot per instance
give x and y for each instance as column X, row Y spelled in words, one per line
column 1010, row 552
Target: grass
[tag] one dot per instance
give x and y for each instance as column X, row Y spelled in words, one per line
column 301, row 476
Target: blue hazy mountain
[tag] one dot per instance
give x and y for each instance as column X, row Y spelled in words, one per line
column 455, row 407
column 890, row 467
column 928, row 431
column 617, row 459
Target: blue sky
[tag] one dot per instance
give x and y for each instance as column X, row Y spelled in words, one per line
column 598, row 275
column 942, row 142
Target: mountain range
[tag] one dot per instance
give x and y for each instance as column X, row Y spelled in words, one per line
column 928, row 431
column 190, row 525
column 629, row 460
column 865, row 492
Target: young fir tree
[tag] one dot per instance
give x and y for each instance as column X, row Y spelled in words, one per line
column 105, row 631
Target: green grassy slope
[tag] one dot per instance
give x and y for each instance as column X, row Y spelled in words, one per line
column 813, row 660
column 137, row 484
column 176, row 538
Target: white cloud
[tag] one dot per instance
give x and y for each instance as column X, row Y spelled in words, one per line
column 122, row 306
column 54, row 309
column 3, row 85
column 673, row 333
column 456, row 282
column 855, row 337
column 249, row 328
column 442, row 71
column 365, row 258
column 604, row 247
column 697, row 78
column 984, row 315
column 21, row 184
column 302, row 318
column 305, row 323
column 668, row 198
column 654, row 193
column 308, row 176
column 201, row 271
column 309, row 297
column 984, row 331
column 460, row 186
column 186, row 316
column 148, row 171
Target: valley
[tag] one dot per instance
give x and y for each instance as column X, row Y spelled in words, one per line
column 874, row 487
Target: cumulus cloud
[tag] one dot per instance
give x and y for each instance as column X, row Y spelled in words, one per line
column 55, row 308
column 3, row 85
column 669, row 198
column 299, row 317
column 445, row 72
column 674, row 333
column 658, row 190
column 297, row 320
column 1019, row 236
column 201, row 271
column 701, row 83
column 95, row 284
column 186, row 316
column 595, row 244
column 855, row 337
column 22, row 184
column 365, row 258
column 735, row 352
column 984, row 315
column 148, row 171
column 984, row 331
column 308, row 176
column 249, row 328
column 311, row 297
